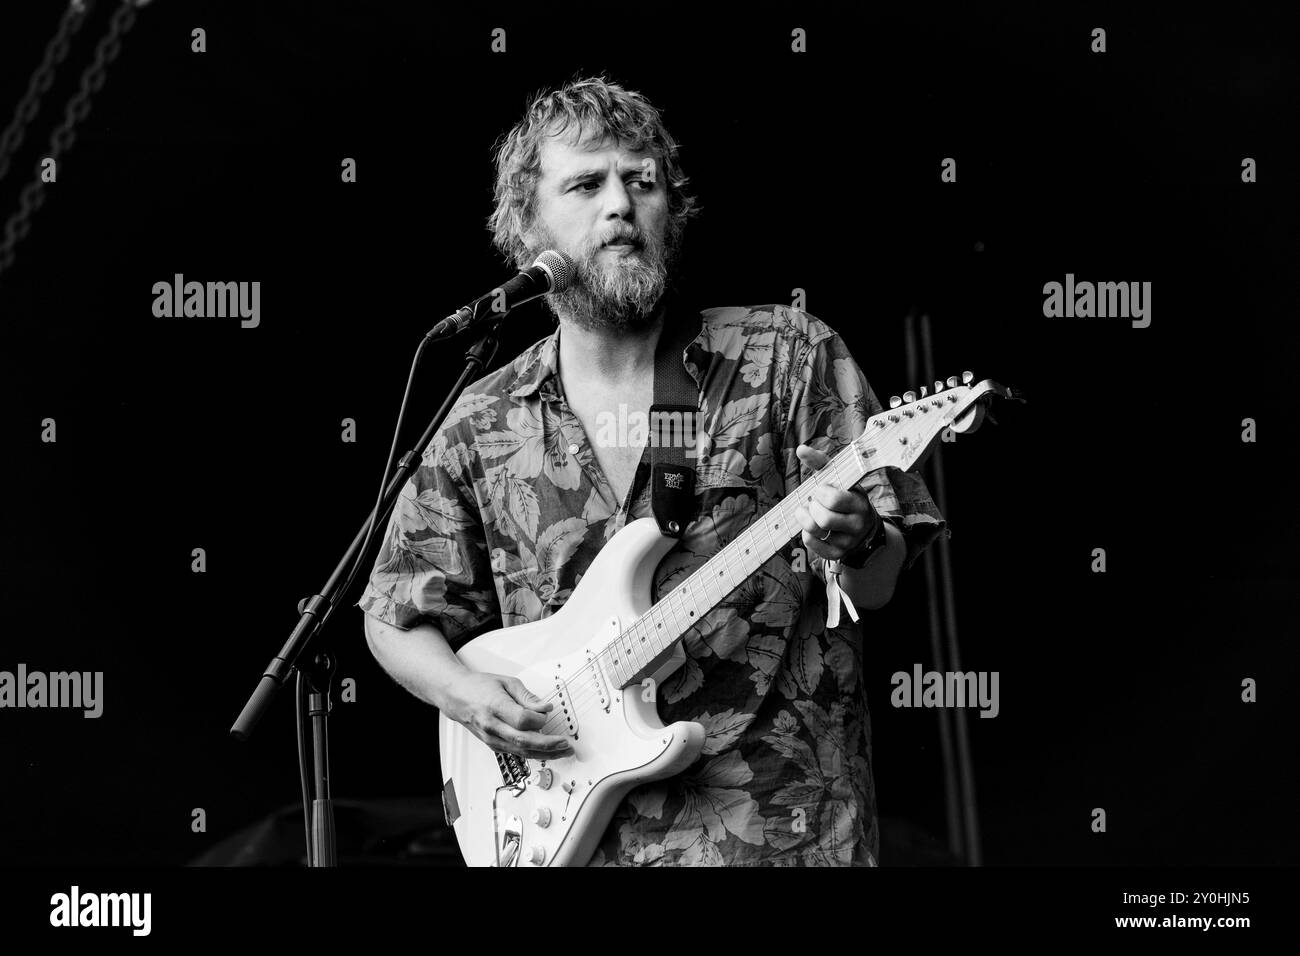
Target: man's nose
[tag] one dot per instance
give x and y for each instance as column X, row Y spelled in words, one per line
column 618, row 201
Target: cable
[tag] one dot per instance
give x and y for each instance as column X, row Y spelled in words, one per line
column 383, row 482
column 300, row 706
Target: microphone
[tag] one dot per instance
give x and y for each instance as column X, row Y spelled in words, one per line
column 551, row 272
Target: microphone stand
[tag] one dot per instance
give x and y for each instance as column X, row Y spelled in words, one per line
column 314, row 612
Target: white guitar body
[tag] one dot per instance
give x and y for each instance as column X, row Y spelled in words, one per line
column 618, row 743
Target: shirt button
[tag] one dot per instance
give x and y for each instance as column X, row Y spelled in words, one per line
column 573, row 449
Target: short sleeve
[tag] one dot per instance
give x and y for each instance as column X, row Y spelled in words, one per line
column 828, row 406
column 433, row 566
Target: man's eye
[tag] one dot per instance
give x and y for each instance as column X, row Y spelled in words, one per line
column 644, row 185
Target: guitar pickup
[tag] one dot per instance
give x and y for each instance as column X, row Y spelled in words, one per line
column 596, row 679
column 567, row 713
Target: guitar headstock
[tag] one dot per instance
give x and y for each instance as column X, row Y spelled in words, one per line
column 904, row 433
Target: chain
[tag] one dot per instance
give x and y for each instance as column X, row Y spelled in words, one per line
column 32, row 196
column 55, row 53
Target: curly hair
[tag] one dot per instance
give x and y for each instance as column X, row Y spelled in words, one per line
column 592, row 107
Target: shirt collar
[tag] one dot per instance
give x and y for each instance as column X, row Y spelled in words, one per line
column 540, row 370
column 540, row 373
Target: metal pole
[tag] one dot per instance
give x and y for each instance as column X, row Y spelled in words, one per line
column 951, row 785
column 974, row 851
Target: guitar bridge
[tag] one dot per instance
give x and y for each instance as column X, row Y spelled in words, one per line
column 514, row 772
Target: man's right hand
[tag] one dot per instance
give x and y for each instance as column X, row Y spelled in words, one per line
column 505, row 715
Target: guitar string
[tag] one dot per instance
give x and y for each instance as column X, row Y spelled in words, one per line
column 674, row 606
column 838, row 471
column 835, row 469
column 842, row 466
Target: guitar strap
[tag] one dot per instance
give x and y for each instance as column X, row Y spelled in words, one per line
column 673, row 419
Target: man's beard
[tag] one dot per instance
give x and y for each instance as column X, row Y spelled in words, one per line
column 616, row 291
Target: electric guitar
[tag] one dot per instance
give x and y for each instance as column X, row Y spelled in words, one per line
column 590, row 657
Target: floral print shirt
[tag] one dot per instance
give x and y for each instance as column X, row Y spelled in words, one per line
column 509, row 507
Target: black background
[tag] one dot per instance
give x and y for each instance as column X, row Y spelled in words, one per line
column 818, row 171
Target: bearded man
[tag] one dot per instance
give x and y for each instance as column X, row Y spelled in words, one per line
column 513, row 500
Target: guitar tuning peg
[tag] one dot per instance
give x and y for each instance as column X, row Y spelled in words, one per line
column 909, row 396
column 895, row 401
column 952, row 381
column 938, row 385
column 967, row 377
column 923, row 391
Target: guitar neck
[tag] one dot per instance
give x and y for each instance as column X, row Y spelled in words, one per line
column 897, row 437
column 678, row 611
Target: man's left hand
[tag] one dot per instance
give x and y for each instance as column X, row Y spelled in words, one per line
column 835, row 522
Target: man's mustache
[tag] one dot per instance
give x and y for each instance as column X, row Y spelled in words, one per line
column 630, row 235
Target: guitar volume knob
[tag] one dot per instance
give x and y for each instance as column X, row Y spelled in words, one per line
column 541, row 778
column 541, row 817
column 537, row 855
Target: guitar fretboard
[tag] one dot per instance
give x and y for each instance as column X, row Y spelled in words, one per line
column 896, row 437
column 679, row 610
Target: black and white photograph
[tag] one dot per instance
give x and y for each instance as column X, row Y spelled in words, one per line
column 746, row 436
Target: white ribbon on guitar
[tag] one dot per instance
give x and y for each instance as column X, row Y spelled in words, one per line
column 835, row 594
